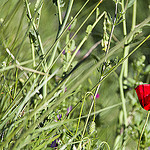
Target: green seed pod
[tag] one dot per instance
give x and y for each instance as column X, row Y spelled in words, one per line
column 92, row 127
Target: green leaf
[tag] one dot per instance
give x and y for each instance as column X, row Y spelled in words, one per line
column 89, row 29
column 147, row 70
column 130, row 3
column 92, row 127
column 97, row 12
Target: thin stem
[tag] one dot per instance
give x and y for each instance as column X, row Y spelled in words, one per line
column 85, row 38
column 16, row 83
column 143, row 131
column 59, row 12
column 88, row 113
column 51, row 107
column 124, row 69
column 134, row 15
column 122, row 96
column 110, row 37
column 93, row 102
column 91, row 49
column 112, row 70
column 112, row 30
column 28, row 29
column 33, row 56
column 66, row 18
column 80, row 116
column 74, row 36
column 39, row 42
column 62, row 27
column 105, row 144
column 126, row 49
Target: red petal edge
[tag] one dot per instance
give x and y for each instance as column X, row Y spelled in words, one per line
column 143, row 93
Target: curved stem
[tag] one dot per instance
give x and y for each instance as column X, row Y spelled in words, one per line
column 143, row 131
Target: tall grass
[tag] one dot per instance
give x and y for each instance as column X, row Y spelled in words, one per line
column 68, row 72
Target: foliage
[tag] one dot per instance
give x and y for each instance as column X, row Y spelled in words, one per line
column 68, row 70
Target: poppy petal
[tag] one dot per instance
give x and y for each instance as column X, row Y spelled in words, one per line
column 147, row 102
column 143, row 93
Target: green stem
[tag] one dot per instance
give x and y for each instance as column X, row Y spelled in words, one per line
column 40, row 44
column 124, row 69
column 59, row 12
column 105, row 144
column 51, row 107
column 33, row 55
column 86, row 36
column 16, row 83
column 61, row 31
column 112, row 30
column 109, row 41
column 28, row 29
column 122, row 96
column 134, row 15
column 143, row 130
column 126, row 49
column 80, row 115
column 113, row 69
column 86, row 123
column 15, row 102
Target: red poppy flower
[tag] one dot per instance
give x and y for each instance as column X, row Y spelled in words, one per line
column 143, row 93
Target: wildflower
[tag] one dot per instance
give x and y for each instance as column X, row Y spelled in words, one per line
column 78, row 53
column 54, row 144
column 97, row 96
column 68, row 110
column 65, row 89
column 64, row 51
column 143, row 93
column 59, row 116
column 69, row 27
